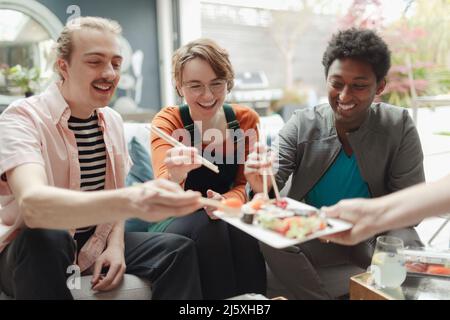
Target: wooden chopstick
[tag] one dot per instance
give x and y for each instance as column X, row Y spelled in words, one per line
column 265, row 187
column 275, row 186
column 270, row 172
column 166, row 137
column 177, row 143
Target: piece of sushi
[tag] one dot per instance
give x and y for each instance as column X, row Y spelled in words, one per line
column 248, row 213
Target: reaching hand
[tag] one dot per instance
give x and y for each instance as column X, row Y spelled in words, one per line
column 363, row 213
column 159, row 199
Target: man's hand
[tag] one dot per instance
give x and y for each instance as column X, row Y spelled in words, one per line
column 215, row 196
column 159, row 199
column 112, row 258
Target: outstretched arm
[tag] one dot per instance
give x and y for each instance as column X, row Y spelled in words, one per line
column 44, row 206
column 397, row 210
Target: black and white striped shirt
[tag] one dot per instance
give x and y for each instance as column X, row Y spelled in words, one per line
column 91, row 154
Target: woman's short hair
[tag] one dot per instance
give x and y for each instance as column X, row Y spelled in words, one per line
column 207, row 50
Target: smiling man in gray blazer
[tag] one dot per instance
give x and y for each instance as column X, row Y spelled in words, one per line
column 350, row 147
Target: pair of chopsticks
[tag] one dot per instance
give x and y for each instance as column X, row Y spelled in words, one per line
column 262, row 138
column 177, row 143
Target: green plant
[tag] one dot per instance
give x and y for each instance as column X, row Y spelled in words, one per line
column 420, row 45
column 413, row 72
column 291, row 96
column 26, row 78
column 443, row 133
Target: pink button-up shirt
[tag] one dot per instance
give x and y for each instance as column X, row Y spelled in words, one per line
column 35, row 130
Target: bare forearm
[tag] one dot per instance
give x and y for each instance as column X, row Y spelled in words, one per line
column 116, row 237
column 55, row 208
column 410, row 206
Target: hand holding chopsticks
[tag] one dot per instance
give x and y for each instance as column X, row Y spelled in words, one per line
column 268, row 171
column 176, row 143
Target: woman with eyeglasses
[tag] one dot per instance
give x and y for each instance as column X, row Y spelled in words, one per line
column 230, row 261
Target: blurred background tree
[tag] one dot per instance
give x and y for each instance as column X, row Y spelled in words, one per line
column 420, row 53
column 363, row 14
column 286, row 29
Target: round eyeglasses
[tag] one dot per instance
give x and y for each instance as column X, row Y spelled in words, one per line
column 216, row 87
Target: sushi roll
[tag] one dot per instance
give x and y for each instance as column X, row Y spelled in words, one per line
column 248, row 214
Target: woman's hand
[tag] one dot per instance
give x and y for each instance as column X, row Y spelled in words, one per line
column 363, row 213
column 180, row 161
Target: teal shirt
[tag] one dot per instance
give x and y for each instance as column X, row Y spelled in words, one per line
column 342, row 180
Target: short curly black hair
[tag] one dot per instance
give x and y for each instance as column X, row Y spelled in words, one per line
column 363, row 45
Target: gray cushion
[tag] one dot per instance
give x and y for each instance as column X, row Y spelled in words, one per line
column 131, row 288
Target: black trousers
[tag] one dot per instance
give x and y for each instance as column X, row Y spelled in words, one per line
column 34, row 265
column 230, row 261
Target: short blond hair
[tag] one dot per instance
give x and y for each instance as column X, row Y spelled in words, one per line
column 208, row 50
column 64, row 44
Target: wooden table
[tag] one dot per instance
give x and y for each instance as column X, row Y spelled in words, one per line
column 360, row 289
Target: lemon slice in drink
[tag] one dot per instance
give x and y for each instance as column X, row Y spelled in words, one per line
column 379, row 258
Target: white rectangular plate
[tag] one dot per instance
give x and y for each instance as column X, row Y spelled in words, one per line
column 275, row 239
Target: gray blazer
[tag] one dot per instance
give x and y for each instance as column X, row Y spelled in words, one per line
column 386, row 146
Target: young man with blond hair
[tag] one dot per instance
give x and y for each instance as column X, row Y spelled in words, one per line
column 63, row 162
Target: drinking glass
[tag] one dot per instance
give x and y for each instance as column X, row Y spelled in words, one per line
column 388, row 262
